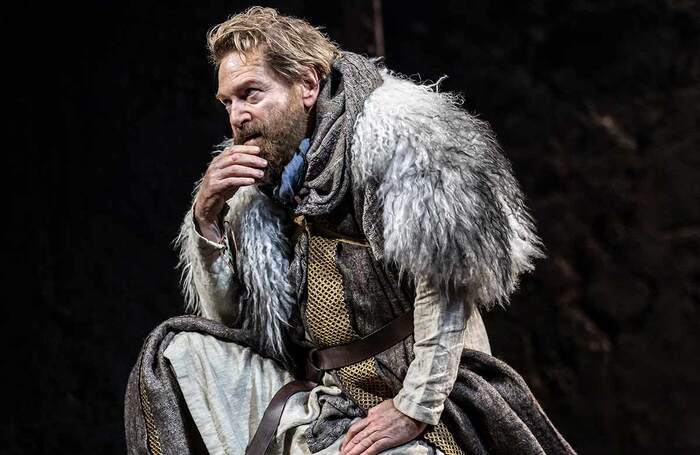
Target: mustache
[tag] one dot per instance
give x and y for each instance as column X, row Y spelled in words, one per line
column 247, row 132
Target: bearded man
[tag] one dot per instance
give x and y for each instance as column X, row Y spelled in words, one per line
column 337, row 254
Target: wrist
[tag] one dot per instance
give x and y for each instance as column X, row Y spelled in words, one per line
column 418, row 424
column 210, row 230
column 419, row 413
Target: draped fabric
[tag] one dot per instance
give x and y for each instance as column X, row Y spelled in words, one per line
column 490, row 410
column 351, row 81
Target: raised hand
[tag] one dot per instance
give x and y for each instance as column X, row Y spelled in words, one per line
column 236, row 166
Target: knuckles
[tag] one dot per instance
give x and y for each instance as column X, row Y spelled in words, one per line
column 366, row 443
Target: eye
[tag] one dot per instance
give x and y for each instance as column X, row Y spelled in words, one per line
column 251, row 92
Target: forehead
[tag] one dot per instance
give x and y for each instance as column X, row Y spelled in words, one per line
column 237, row 69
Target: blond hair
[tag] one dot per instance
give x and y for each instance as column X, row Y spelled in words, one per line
column 287, row 44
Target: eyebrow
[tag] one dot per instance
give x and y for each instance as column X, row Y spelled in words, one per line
column 247, row 81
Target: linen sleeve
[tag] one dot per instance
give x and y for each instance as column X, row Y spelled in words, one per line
column 209, row 280
column 440, row 331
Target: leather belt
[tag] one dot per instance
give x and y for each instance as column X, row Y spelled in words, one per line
column 356, row 351
column 267, row 428
column 320, row 360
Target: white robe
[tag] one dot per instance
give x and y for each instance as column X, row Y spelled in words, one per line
column 227, row 388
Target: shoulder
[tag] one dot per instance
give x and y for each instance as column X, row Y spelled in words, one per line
column 417, row 119
column 451, row 206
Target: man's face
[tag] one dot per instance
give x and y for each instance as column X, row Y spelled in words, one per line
column 263, row 110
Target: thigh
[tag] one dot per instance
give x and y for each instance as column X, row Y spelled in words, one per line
column 296, row 445
column 416, row 447
column 226, row 387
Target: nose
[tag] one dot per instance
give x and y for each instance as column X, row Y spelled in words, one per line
column 238, row 115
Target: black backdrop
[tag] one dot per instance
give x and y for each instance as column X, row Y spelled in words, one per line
column 596, row 104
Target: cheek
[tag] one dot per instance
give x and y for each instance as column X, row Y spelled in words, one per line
column 262, row 113
column 277, row 102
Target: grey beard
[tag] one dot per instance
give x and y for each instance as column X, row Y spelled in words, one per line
column 279, row 146
column 273, row 172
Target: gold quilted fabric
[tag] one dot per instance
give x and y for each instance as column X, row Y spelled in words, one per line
column 152, row 438
column 329, row 324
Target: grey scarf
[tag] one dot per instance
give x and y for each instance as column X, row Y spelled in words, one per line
column 352, row 79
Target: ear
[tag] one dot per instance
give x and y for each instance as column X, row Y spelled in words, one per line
column 309, row 87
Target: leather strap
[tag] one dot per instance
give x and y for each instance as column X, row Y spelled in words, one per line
column 356, row 351
column 320, row 360
column 267, row 428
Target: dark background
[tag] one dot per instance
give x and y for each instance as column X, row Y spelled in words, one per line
column 597, row 104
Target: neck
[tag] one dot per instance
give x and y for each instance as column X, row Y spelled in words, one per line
column 311, row 122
